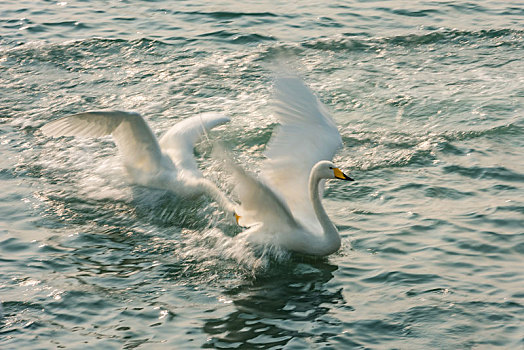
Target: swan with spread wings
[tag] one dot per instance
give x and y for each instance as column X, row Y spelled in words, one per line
column 283, row 206
column 166, row 164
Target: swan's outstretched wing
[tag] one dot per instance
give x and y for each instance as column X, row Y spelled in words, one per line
column 259, row 204
column 306, row 135
column 134, row 138
column 179, row 141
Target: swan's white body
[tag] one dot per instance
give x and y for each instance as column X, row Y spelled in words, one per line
column 167, row 164
column 283, row 208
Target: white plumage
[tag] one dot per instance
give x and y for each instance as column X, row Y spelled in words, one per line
column 168, row 164
column 283, row 207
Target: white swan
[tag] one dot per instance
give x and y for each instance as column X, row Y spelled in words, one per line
column 284, row 208
column 167, row 164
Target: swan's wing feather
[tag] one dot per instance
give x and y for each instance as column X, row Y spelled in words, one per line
column 88, row 124
column 306, row 135
column 179, row 141
column 134, row 138
column 259, row 204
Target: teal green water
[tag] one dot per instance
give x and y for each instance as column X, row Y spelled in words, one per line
column 429, row 99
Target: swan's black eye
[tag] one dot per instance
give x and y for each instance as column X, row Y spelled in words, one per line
column 331, row 167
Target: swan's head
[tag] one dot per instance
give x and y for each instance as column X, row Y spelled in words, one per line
column 327, row 170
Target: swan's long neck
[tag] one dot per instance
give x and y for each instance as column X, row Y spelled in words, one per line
column 330, row 231
column 212, row 190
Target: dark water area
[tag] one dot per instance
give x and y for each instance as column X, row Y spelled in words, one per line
column 429, row 100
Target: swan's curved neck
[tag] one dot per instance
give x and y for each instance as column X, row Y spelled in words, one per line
column 211, row 189
column 330, row 231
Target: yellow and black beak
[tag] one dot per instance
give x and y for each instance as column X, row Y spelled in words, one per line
column 237, row 218
column 340, row 175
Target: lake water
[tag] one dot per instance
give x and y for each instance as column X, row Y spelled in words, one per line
column 428, row 97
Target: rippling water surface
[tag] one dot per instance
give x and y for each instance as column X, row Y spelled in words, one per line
column 429, row 99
